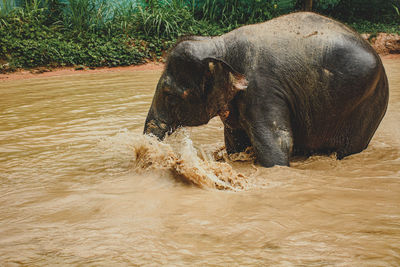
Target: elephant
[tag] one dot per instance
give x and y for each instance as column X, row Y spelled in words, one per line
column 297, row 85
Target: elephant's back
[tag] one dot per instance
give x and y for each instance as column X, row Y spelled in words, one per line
column 301, row 39
column 300, row 25
column 304, row 43
column 301, row 32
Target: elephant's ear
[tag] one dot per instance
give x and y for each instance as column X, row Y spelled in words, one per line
column 218, row 67
column 221, row 85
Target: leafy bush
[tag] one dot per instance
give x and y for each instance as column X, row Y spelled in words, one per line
column 26, row 41
column 5, row 7
column 43, row 49
column 237, row 12
column 125, row 32
column 364, row 26
column 163, row 19
column 375, row 11
column 87, row 15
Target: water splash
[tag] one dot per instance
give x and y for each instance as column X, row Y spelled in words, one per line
column 178, row 155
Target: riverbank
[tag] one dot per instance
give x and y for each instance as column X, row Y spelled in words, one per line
column 387, row 46
column 51, row 72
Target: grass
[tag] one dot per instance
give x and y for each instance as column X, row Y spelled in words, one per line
column 364, row 26
column 164, row 19
column 5, row 7
column 106, row 33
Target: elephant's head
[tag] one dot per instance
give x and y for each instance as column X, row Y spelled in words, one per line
column 192, row 89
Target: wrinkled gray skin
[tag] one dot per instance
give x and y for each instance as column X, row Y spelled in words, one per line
column 296, row 85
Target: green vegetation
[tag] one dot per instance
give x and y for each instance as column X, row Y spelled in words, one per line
column 365, row 16
column 113, row 33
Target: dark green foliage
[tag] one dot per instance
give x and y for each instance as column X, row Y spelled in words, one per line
column 6, row 7
column 237, row 12
column 364, row 16
column 55, row 52
column 26, row 41
column 107, row 33
column 357, row 10
column 364, row 26
column 83, row 16
column 163, row 19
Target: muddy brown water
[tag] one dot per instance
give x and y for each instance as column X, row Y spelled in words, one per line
column 80, row 185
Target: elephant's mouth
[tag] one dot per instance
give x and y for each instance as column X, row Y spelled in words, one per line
column 159, row 129
column 156, row 128
column 172, row 129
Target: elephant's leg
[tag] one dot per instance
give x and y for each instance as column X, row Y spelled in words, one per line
column 361, row 125
column 272, row 146
column 270, row 132
column 236, row 140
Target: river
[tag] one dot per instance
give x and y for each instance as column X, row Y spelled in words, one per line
column 80, row 185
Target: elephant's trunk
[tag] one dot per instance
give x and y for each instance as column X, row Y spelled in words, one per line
column 154, row 126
